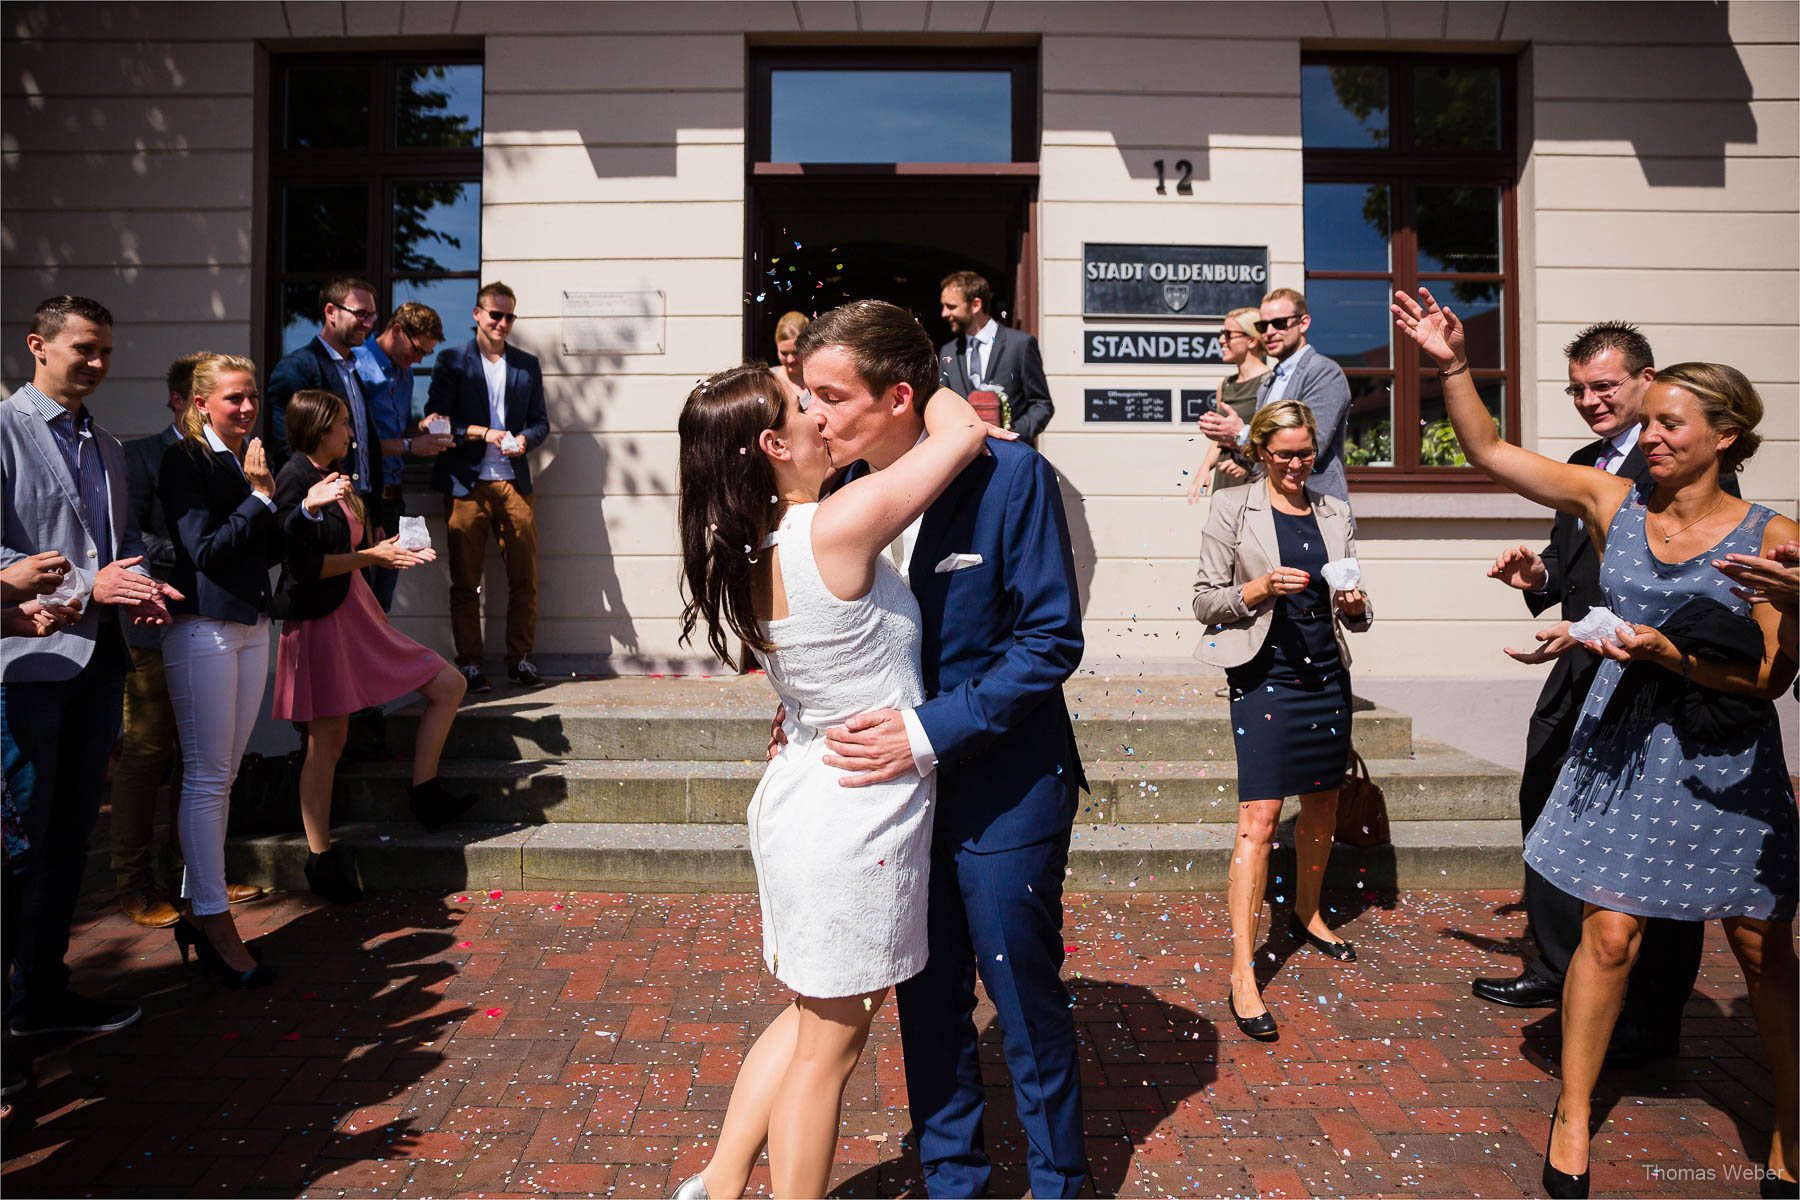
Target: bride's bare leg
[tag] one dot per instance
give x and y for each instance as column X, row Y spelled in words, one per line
column 803, row 1123
column 746, row 1127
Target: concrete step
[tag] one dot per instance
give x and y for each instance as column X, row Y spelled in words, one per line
column 693, row 857
column 1437, row 783
column 727, row 719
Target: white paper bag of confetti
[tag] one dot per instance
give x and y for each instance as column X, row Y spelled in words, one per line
column 1343, row 574
column 413, row 535
column 1600, row 625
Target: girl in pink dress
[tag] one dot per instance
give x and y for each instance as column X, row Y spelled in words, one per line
column 338, row 654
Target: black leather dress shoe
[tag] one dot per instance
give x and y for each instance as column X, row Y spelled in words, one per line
column 1527, row 990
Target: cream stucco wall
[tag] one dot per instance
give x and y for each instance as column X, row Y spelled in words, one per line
column 1661, row 185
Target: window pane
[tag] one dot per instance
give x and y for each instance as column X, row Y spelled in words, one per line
column 325, row 228
column 1458, row 108
column 1346, row 227
column 299, row 317
column 1350, row 321
column 1369, row 442
column 1478, row 306
column 1343, row 106
column 452, row 299
column 1438, row 446
column 421, row 391
column 437, row 227
column 326, row 108
column 1459, row 229
column 890, row 116
column 438, row 105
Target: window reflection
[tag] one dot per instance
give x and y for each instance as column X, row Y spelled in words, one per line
column 1482, row 323
column 1350, row 321
column 890, row 116
column 299, row 314
column 324, row 228
column 1369, row 441
column 1458, row 108
column 1343, row 106
column 327, row 108
column 1346, row 227
column 1438, row 446
column 438, row 105
column 1459, row 230
column 437, row 227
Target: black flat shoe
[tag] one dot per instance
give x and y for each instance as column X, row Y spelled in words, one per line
column 1261, row 1027
column 329, row 878
column 1774, row 1187
column 1559, row 1185
column 1526, row 990
column 435, row 806
column 1342, row 951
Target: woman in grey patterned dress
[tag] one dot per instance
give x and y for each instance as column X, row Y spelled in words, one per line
column 1660, row 823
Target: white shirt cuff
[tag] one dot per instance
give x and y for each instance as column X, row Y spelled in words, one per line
column 268, row 500
column 924, row 757
column 311, row 516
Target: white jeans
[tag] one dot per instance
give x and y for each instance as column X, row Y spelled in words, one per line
column 217, row 671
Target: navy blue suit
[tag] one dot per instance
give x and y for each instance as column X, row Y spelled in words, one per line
column 1000, row 639
column 459, row 391
column 310, row 368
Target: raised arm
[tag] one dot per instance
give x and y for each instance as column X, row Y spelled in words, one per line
column 857, row 522
column 1580, row 491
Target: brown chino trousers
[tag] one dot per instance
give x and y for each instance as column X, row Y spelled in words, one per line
column 148, row 742
column 493, row 504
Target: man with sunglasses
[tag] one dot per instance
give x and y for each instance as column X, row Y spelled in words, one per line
column 347, row 311
column 493, row 395
column 1299, row 374
column 1610, row 367
column 384, row 366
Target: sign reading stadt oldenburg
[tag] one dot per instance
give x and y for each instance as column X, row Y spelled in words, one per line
column 1121, row 280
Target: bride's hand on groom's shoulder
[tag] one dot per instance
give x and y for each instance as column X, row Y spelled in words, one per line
column 873, row 747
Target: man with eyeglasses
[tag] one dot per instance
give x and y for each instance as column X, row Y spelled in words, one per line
column 1610, row 367
column 493, row 395
column 1299, row 374
column 347, row 314
column 384, row 366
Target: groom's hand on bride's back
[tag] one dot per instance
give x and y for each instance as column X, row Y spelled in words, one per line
column 777, row 735
column 871, row 746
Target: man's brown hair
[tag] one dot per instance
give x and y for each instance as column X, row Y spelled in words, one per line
column 1298, row 298
column 181, row 373
column 338, row 290
column 495, row 288
column 886, row 344
column 52, row 314
column 972, row 286
column 418, row 321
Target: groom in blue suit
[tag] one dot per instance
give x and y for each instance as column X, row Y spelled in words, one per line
column 992, row 570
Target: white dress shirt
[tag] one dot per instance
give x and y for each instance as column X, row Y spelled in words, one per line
column 495, row 465
column 985, row 340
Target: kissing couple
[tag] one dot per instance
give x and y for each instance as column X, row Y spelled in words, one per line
column 917, row 615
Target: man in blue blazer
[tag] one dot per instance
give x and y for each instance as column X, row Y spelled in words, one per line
column 63, row 488
column 493, row 395
column 986, row 355
column 991, row 566
column 327, row 363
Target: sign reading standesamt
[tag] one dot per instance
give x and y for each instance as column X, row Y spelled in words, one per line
column 1128, row 280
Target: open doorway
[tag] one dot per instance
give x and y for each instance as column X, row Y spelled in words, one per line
column 817, row 241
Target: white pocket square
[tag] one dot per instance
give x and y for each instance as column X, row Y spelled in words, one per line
column 957, row 562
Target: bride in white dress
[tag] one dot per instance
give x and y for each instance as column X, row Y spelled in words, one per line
column 809, row 588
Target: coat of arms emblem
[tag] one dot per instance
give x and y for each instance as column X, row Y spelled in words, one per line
column 1175, row 295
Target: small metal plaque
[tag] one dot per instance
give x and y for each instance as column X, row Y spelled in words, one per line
column 1141, row 347
column 613, row 322
column 1195, row 401
column 1194, row 282
column 1135, row 405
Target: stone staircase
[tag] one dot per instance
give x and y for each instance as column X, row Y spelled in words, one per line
column 640, row 784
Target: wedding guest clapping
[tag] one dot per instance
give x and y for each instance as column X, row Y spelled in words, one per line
column 1242, row 346
column 1678, row 725
column 1276, row 627
column 338, row 654
column 217, row 496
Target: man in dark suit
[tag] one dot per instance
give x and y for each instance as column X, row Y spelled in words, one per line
column 1610, row 366
column 987, row 356
column 1301, row 373
column 327, row 363
column 493, row 395
column 995, row 579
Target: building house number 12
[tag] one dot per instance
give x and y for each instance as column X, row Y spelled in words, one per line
column 1183, row 186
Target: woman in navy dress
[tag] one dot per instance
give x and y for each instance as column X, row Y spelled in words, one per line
column 1274, row 624
column 1655, row 814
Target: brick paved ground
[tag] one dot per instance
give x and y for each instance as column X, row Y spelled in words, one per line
column 585, row 1044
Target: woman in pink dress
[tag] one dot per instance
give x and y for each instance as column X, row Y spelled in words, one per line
column 338, row 654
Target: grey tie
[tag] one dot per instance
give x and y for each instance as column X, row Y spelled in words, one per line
column 974, row 363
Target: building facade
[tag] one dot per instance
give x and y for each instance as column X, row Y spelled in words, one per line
column 659, row 182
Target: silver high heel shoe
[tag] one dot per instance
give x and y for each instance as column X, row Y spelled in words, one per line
column 693, row 1188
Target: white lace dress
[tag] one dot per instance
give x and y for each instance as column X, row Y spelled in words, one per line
column 842, row 871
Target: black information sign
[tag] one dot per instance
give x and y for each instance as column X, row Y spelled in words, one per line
column 1195, row 401
column 1128, row 404
column 1188, row 348
column 1171, row 281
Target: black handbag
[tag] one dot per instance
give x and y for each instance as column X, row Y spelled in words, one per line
column 1362, row 817
column 265, row 796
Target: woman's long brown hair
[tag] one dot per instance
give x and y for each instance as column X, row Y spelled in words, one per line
column 728, row 502
column 309, row 416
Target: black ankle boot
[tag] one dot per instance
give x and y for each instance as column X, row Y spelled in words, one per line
column 436, row 807
column 329, row 878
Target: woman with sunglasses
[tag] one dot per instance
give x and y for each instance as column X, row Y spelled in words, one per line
column 1241, row 346
column 1277, row 627
column 1678, row 802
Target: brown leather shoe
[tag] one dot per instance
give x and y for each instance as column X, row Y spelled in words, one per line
column 149, row 909
column 238, row 893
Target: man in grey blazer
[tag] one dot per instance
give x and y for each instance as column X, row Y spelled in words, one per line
column 63, row 480
column 986, row 355
column 1301, row 373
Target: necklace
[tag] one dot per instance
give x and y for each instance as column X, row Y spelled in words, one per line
column 1709, row 512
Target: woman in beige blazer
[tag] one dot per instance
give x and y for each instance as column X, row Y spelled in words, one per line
column 1277, row 628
